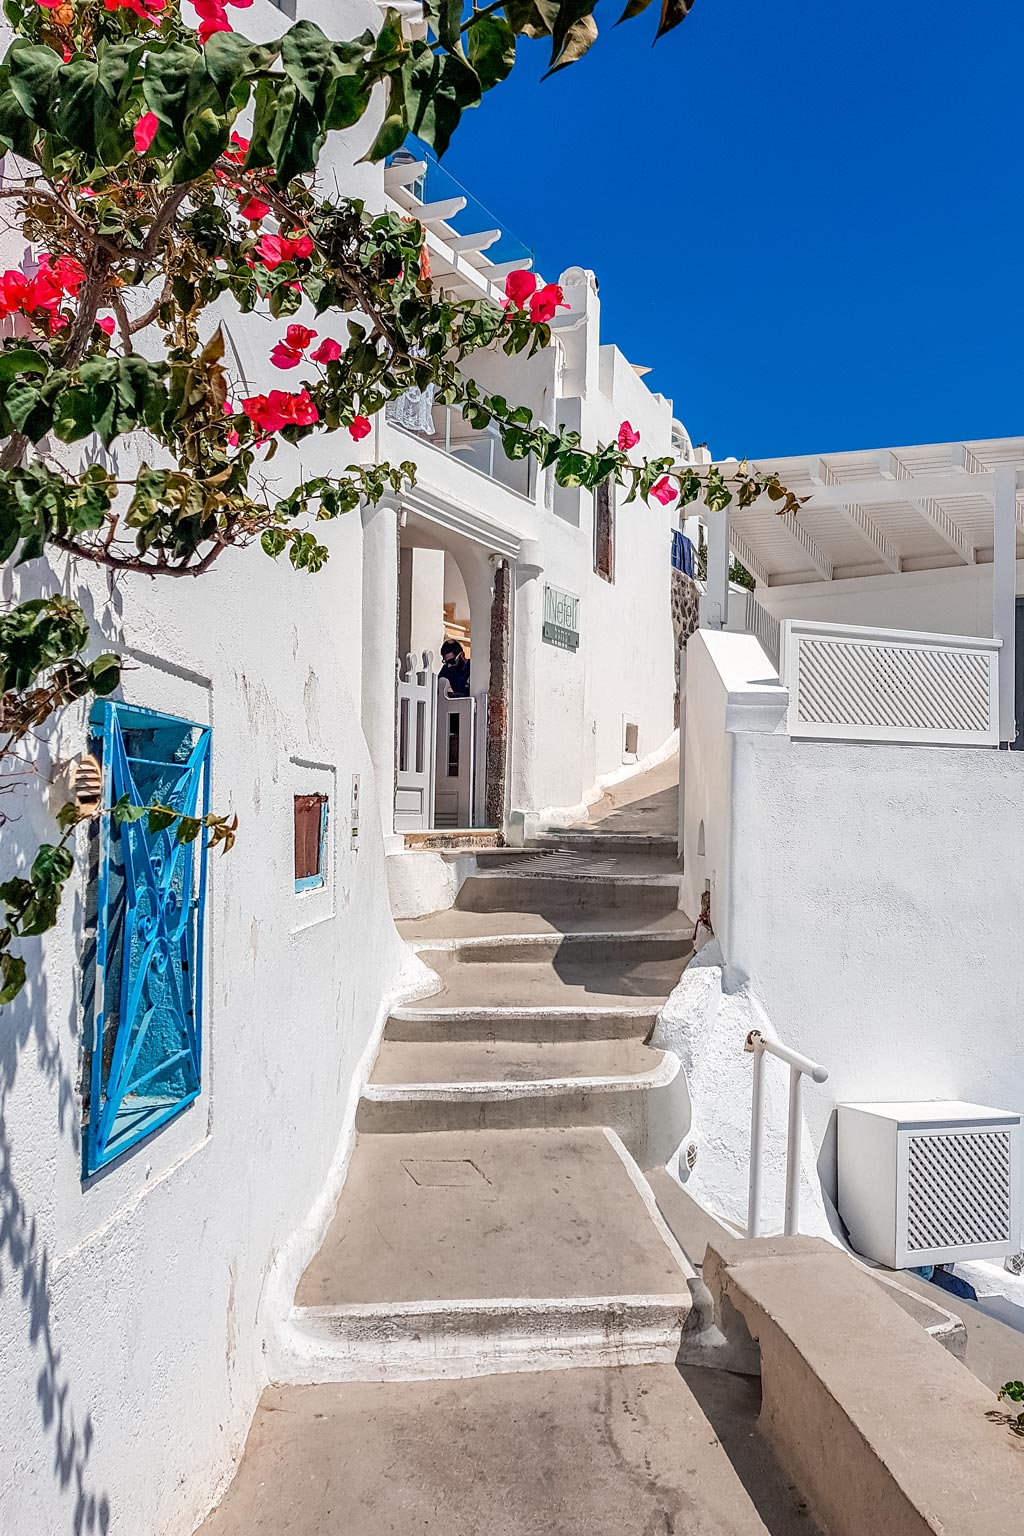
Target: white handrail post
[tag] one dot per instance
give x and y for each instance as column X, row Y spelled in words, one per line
column 756, row 1136
column 796, row 1095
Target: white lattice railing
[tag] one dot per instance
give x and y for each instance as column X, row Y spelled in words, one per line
column 854, row 684
column 765, row 627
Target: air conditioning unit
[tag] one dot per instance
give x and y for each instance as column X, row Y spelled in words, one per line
column 929, row 1183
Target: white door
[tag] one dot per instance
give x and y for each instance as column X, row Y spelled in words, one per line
column 414, row 778
column 453, row 770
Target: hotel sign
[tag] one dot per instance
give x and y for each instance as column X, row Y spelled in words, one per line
column 561, row 619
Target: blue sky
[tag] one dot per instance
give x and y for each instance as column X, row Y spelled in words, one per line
column 806, row 216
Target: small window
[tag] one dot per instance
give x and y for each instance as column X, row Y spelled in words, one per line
column 310, row 841
column 286, row 7
column 604, row 530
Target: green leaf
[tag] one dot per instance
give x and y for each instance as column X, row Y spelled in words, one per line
column 439, row 89
column 52, row 864
column 12, row 976
column 492, row 49
column 161, row 817
column 68, row 816
column 189, row 828
column 125, row 810
column 104, row 674
column 18, row 360
column 206, row 137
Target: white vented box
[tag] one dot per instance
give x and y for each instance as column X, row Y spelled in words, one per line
column 929, row 1183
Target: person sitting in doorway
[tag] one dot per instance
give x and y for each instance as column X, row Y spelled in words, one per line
column 455, row 669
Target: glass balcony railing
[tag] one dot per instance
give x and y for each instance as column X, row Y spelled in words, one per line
column 448, row 430
column 436, row 185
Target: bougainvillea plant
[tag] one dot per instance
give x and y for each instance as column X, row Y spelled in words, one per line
column 155, row 168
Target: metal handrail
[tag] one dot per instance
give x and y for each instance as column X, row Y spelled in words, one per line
column 799, row 1068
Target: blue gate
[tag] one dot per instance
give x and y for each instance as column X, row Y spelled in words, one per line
column 147, row 987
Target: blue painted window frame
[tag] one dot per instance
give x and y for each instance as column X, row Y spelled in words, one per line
column 150, row 906
column 316, row 882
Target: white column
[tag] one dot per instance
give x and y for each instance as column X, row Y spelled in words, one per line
column 1004, row 591
column 717, row 599
column 527, row 622
column 380, row 640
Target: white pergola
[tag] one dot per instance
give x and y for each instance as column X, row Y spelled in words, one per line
column 884, row 512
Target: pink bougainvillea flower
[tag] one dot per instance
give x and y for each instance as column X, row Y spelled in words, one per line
column 237, row 149
column 284, row 356
column 232, row 435
column 270, row 250
column 544, row 302
column 106, row 324
column 424, row 263
column 519, row 286
column 327, row 352
column 14, row 291
column 273, row 249
column 144, row 8
column 664, row 491
column 289, row 352
column 359, row 428
column 50, row 5
column 299, row 337
column 145, row 131
column 254, row 210
column 280, row 409
column 627, row 438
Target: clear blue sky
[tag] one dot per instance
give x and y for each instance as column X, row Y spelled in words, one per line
column 806, row 216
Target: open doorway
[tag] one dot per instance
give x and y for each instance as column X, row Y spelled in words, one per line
column 448, row 701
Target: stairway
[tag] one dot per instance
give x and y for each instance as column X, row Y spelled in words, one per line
column 496, row 1232
column 495, row 1216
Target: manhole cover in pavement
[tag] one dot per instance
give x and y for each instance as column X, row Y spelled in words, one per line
column 443, row 1172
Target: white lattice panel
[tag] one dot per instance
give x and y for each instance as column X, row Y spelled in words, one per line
column 878, row 685
column 958, row 1190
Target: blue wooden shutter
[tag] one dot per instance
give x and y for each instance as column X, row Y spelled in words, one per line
column 147, row 986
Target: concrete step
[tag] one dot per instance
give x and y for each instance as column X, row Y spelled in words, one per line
column 596, row 839
column 571, row 980
column 609, row 947
column 472, row 1252
column 648, row 1109
column 552, row 892
column 508, row 1061
column 521, row 1024
column 610, row 1452
column 454, row 923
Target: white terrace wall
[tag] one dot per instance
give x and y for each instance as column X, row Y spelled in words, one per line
column 869, row 896
column 956, row 600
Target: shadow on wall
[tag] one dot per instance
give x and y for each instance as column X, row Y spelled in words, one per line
column 24, row 1258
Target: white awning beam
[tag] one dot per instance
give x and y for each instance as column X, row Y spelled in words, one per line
column 859, row 520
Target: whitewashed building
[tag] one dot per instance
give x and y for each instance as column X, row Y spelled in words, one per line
column 134, row 1284
column 850, row 807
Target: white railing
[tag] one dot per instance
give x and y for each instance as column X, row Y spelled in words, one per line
column 849, row 683
column 799, row 1068
column 766, row 629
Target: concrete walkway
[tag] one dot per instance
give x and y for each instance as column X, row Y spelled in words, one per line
column 496, row 1234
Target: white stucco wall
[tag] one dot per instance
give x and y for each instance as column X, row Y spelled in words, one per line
column 133, row 1307
column 956, row 600
column 866, row 896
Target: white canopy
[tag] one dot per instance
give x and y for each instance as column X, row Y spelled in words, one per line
column 879, row 511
